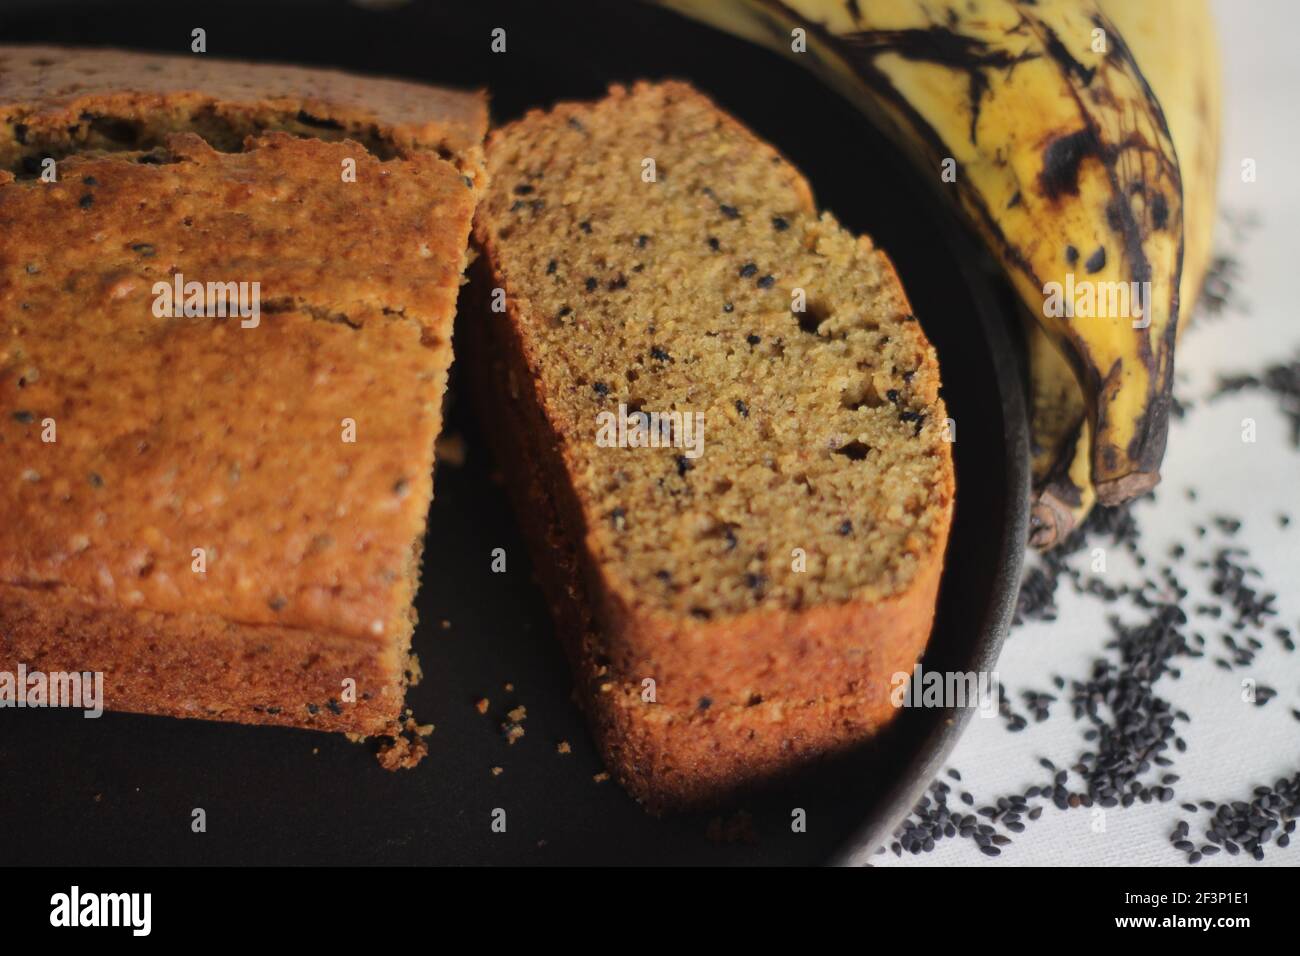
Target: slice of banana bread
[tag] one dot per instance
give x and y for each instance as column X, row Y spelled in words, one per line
column 223, row 513
column 738, row 574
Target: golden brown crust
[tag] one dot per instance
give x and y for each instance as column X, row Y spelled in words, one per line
column 224, row 497
column 202, row 665
column 45, row 88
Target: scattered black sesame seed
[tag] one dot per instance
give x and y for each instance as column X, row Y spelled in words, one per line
column 1130, row 728
column 1282, row 380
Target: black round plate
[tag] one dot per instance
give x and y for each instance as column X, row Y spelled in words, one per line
column 122, row 789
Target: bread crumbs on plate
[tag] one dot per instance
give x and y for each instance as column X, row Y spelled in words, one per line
column 406, row 747
column 450, row 449
column 737, row 828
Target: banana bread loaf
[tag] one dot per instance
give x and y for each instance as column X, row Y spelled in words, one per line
column 223, row 512
column 723, row 430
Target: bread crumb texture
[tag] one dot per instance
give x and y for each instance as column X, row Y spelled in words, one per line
column 823, row 425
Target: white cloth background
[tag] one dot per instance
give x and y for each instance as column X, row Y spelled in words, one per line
column 1232, row 745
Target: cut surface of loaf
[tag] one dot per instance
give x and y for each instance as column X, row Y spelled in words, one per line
column 223, row 513
column 738, row 600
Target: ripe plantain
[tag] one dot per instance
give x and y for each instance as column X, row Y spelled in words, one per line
column 1174, row 44
column 1066, row 167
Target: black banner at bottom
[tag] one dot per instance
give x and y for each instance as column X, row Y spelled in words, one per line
column 333, row 906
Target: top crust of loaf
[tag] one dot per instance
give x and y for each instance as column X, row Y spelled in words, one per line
column 825, row 435
column 44, row 86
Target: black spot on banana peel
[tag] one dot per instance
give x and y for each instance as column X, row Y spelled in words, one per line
column 1058, row 52
column 1159, row 211
column 1061, row 159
